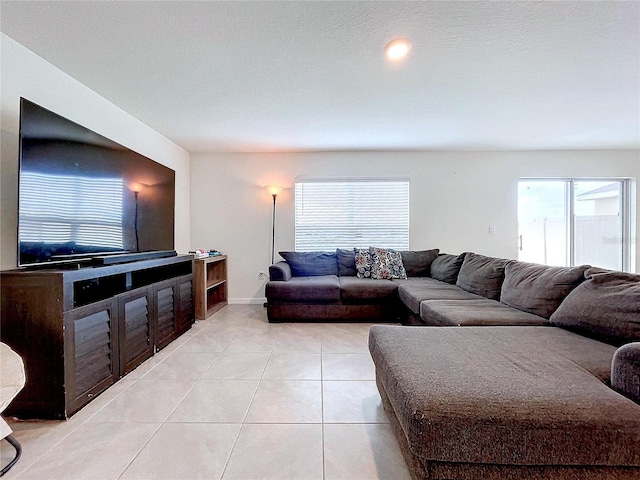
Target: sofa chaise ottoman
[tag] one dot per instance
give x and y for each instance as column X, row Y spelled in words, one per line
column 505, row 403
column 527, row 402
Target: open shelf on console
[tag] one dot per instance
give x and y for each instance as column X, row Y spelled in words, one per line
column 98, row 283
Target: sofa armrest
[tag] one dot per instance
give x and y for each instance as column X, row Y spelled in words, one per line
column 280, row 271
column 625, row 371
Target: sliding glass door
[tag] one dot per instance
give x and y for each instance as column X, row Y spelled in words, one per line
column 543, row 218
column 573, row 221
column 598, row 223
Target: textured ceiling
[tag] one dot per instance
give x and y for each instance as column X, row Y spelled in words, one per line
column 266, row 76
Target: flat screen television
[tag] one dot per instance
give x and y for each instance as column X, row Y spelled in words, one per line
column 82, row 195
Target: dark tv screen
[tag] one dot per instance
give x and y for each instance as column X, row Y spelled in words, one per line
column 82, row 195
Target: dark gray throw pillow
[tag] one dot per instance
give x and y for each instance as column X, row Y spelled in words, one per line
column 539, row 289
column 482, row 275
column 445, row 267
column 346, row 262
column 606, row 307
column 418, row 263
column 304, row 264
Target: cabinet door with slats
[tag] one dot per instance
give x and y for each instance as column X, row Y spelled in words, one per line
column 91, row 344
column 165, row 295
column 185, row 304
column 136, row 328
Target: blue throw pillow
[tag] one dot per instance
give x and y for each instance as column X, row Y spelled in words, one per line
column 346, row 262
column 306, row 264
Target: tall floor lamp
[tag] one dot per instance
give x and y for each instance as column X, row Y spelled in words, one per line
column 274, row 191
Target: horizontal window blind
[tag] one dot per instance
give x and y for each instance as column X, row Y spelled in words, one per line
column 57, row 208
column 351, row 212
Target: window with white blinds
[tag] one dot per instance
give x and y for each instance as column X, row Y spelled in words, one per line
column 351, row 212
column 58, row 208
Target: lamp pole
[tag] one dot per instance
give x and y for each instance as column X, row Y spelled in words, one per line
column 274, row 191
column 273, row 228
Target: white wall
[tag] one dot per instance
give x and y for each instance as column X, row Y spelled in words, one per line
column 24, row 74
column 455, row 196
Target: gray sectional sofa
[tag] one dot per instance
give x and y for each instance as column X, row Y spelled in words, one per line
column 439, row 289
column 542, row 383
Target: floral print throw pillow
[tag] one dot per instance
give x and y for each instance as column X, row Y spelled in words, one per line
column 363, row 262
column 386, row 263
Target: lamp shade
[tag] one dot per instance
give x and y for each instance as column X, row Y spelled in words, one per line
column 274, row 190
column 136, row 187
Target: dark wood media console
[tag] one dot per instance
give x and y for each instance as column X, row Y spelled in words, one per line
column 79, row 331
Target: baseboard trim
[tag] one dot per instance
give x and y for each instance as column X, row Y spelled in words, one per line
column 247, row 301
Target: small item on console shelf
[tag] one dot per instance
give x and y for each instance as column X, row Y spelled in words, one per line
column 199, row 253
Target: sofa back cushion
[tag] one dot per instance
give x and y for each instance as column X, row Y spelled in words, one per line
column 539, row 289
column 606, row 307
column 445, row 267
column 418, row 263
column 346, row 262
column 482, row 275
column 305, row 264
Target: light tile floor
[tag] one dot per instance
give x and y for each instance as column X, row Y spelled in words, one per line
column 233, row 398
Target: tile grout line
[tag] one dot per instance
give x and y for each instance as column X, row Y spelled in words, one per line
column 141, row 449
column 324, row 465
column 226, row 463
column 72, row 430
column 242, row 423
column 162, row 423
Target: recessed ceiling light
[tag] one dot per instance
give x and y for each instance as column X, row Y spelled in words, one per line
column 397, row 49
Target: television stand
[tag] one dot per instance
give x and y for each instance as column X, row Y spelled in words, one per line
column 80, row 331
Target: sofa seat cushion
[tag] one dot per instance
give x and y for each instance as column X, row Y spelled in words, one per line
column 479, row 311
column 414, row 281
column 605, row 307
column 502, row 395
column 366, row 290
column 593, row 356
column 319, row 288
column 539, row 289
column 482, row 275
column 414, row 293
